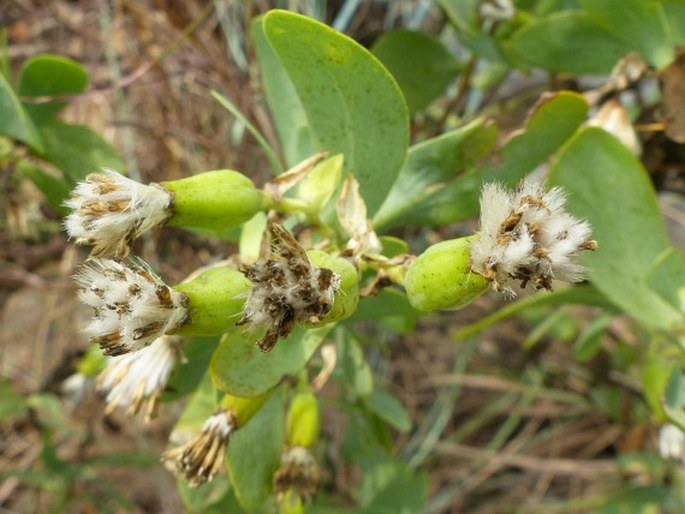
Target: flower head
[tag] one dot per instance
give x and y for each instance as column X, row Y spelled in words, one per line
column 287, row 288
column 201, row 458
column 109, row 211
column 132, row 307
column 298, row 473
column 135, row 381
column 526, row 239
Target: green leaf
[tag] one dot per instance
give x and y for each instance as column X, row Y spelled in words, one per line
column 188, row 375
column 14, row 120
column 582, row 295
column 392, row 487
column 289, row 115
column 77, row 150
column 588, row 343
column 202, row 404
column 254, row 453
column 639, row 24
column 357, row 373
column 55, row 190
column 609, row 187
column 674, row 406
column 389, row 409
column 390, row 307
column 568, row 42
column 239, row 368
column 429, row 165
column 421, row 64
column 656, row 372
column 551, row 123
column 200, row 499
column 50, row 75
column 352, row 103
column 319, row 185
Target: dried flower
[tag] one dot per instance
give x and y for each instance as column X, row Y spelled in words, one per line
column 132, row 307
column 110, row 211
column 298, row 473
column 135, row 381
column 527, row 240
column 201, row 458
column 287, row 288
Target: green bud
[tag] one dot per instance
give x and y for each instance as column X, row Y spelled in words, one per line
column 303, row 424
column 243, row 409
column 215, row 301
column 441, row 277
column 347, row 296
column 214, row 200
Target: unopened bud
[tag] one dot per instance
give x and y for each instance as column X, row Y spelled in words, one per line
column 214, row 300
column 441, row 277
column 213, row 200
column 303, row 424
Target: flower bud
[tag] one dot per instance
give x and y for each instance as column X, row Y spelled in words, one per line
column 441, row 277
column 109, row 210
column 303, row 423
column 214, row 298
column 201, row 458
column 346, row 297
column 213, row 200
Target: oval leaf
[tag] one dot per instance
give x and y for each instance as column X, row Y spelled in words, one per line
column 14, row 120
column 254, row 453
column 568, row 42
column 77, row 150
column 50, row 75
column 239, row 368
column 608, row 186
column 353, row 105
column 420, row 63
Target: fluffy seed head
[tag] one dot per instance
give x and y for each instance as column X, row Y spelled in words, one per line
column 526, row 239
column 201, row 458
column 287, row 288
column 131, row 306
column 109, row 211
column 298, row 473
column 135, row 381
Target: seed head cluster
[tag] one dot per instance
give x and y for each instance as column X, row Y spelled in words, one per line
column 527, row 240
column 287, row 288
column 131, row 306
column 201, row 458
column 109, row 211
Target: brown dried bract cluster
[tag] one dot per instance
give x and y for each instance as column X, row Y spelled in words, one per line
column 287, row 288
column 298, row 473
column 201, row 459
